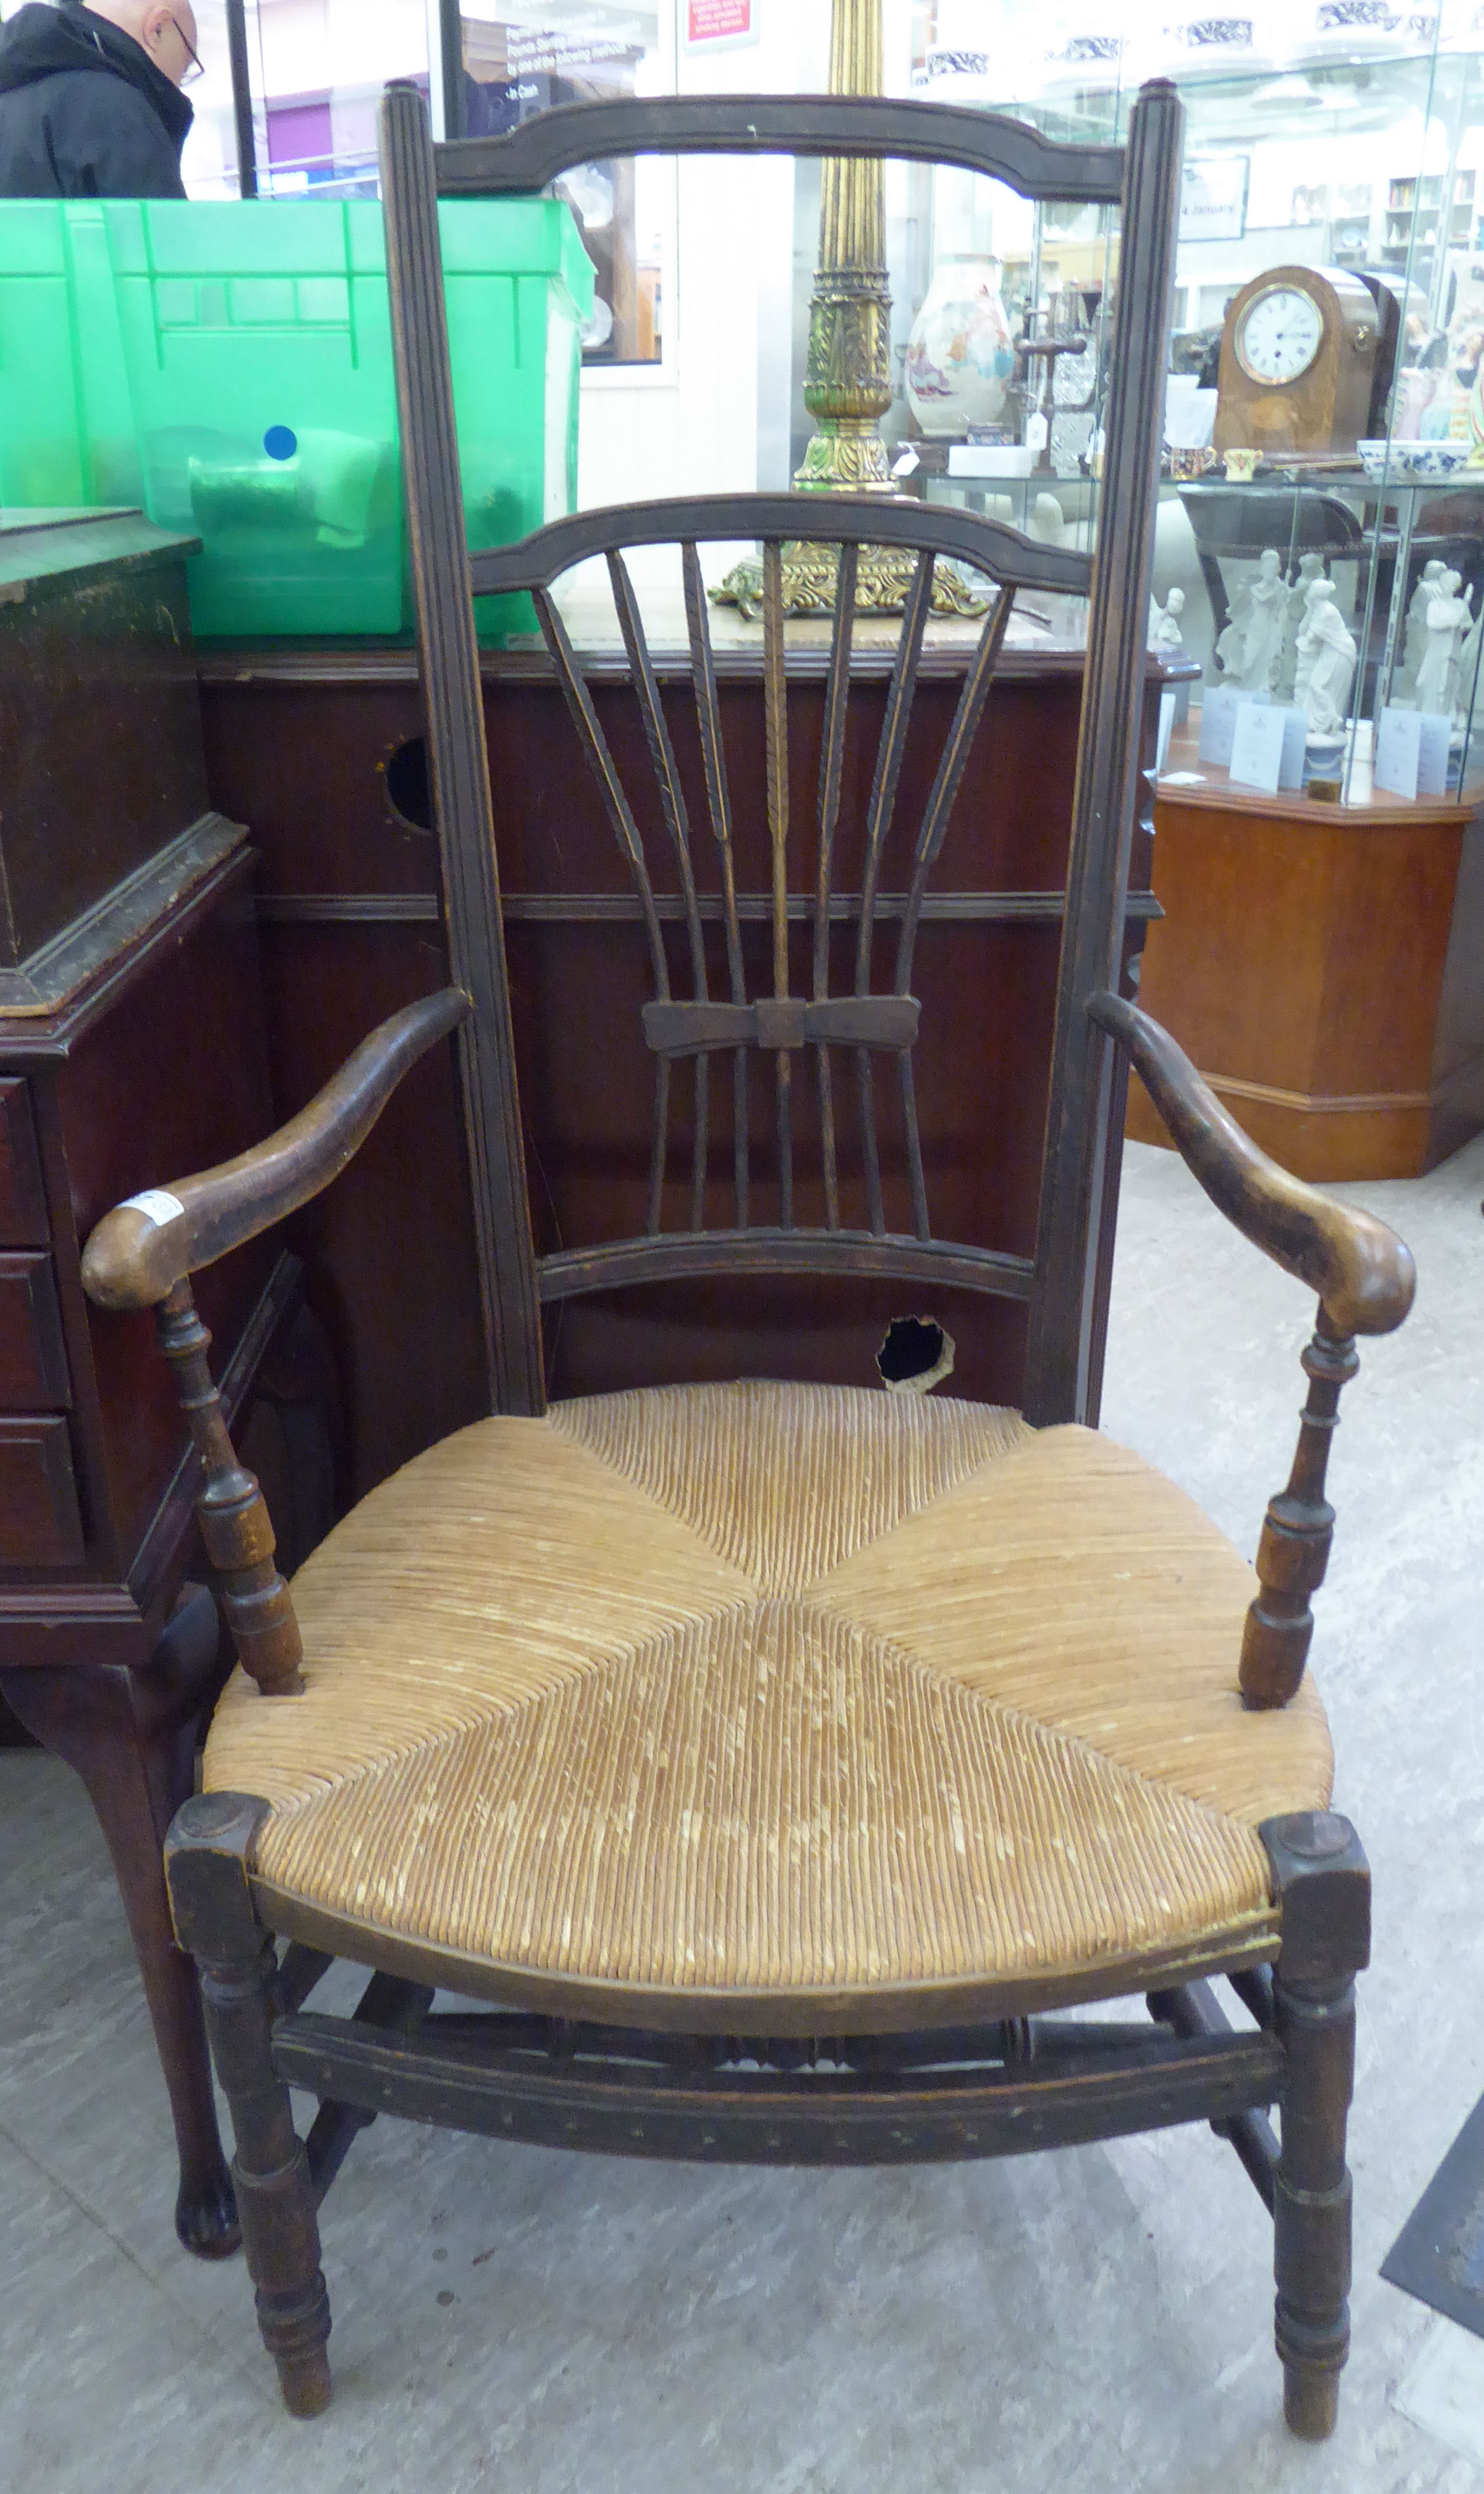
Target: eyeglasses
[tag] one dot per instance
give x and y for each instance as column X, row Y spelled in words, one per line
column 196, row 66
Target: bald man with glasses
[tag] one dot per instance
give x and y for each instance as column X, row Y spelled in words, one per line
column 90, row 99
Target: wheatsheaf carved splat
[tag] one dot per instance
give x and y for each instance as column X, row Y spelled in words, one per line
column 843, row 1042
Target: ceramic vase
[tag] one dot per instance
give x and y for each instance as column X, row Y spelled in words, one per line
column 961, row 357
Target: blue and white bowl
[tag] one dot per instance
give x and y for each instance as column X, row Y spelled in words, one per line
column 1423, row 462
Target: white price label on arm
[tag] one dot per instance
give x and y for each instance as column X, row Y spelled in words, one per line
column 157, row 1205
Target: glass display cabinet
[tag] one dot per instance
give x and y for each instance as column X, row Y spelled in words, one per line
column 1319, row 854
column 1324, row 524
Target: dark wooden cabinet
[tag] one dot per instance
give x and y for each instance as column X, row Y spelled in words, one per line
column 99, row 724
column 1324, row 967
column 132, row 1050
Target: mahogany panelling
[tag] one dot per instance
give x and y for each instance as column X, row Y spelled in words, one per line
column 1008, row 832
column 298, row 762
column 783, row 1326
column 390, row 1247
column 1301, row 964
column 388, row 1250
column 987, row 994
column 40, row 1524
column 1390, row 904
column 33, row 1355
column 22, row 1197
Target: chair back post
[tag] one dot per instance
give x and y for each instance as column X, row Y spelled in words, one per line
column 1081, row 1108
column 454, row 720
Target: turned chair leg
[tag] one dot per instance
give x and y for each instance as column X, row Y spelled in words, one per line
column 206, row 1861
column 1323, row 1883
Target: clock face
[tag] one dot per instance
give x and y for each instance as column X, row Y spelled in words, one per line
column 1281, row 331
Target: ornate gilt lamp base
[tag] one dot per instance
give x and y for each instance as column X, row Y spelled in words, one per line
column 846, row 455
column 883, row 582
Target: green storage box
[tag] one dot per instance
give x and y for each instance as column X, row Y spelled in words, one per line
column 229, row 365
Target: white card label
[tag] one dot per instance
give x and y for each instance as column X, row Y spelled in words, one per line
column 1295, row 736
column 1256, row 747
column 157, row 1205
column 1218, row 710
column 1168, row 704
column 1397, row 752
column 1433, row 753
column 1218, row 724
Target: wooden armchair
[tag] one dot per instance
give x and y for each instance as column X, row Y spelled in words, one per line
column 772, row 1760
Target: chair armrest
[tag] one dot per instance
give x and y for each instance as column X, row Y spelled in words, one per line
column 1364, row 1279
column 140, row 1250
column 1361, row 1272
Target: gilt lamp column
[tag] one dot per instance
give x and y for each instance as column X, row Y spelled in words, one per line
column 848, row 380
column 848, row 376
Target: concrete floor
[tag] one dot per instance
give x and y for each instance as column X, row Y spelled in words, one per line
column 1094, row 2321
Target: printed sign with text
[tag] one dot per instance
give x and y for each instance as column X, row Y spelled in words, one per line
column 720, row 21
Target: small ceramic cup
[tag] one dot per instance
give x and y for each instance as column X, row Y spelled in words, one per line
column 1186, row 465
column 1240, row 466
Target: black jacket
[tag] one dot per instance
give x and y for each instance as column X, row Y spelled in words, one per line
column 85, row 113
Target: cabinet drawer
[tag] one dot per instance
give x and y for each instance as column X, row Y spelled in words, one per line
column 33, row 1353
column 40, row 1522
column 22, row 1198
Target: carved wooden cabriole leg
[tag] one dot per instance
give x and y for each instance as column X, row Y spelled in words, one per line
column 1323, row 1881
column 207, row 1858
column 131, row 1736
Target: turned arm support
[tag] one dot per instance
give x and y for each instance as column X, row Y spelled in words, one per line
column 143, row 1253
column 1364, row 1279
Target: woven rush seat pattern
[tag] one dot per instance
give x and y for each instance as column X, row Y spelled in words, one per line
column 776, row 1689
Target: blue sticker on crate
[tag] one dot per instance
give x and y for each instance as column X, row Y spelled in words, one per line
column 280, row 442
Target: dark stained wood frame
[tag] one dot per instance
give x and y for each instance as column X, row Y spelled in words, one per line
column 1015, row 2083
column 532, row 155
column 1062, row 1286
column 554, row 2073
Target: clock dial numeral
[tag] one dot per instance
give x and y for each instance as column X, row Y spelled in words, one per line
column 1281, row 334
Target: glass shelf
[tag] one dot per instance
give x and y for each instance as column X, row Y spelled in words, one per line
column 1358, row 150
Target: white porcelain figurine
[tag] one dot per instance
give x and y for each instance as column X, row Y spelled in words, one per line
column 1467, row 666
column 1325, row 667
column 1448, row 617
column 1415, row 641
column 1310, row 567
column 1250, row 648
column 1165, row 639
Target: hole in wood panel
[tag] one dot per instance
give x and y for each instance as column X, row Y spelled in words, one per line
column 916, row 1354
column 405, row 780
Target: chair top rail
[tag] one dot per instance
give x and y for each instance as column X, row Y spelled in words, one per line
column 528, row 156
column 988, row 546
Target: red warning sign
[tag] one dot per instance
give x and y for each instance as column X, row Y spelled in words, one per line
column 718, row 21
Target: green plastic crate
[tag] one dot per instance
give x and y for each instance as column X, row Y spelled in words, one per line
column 67, row 429
column 229, row 364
